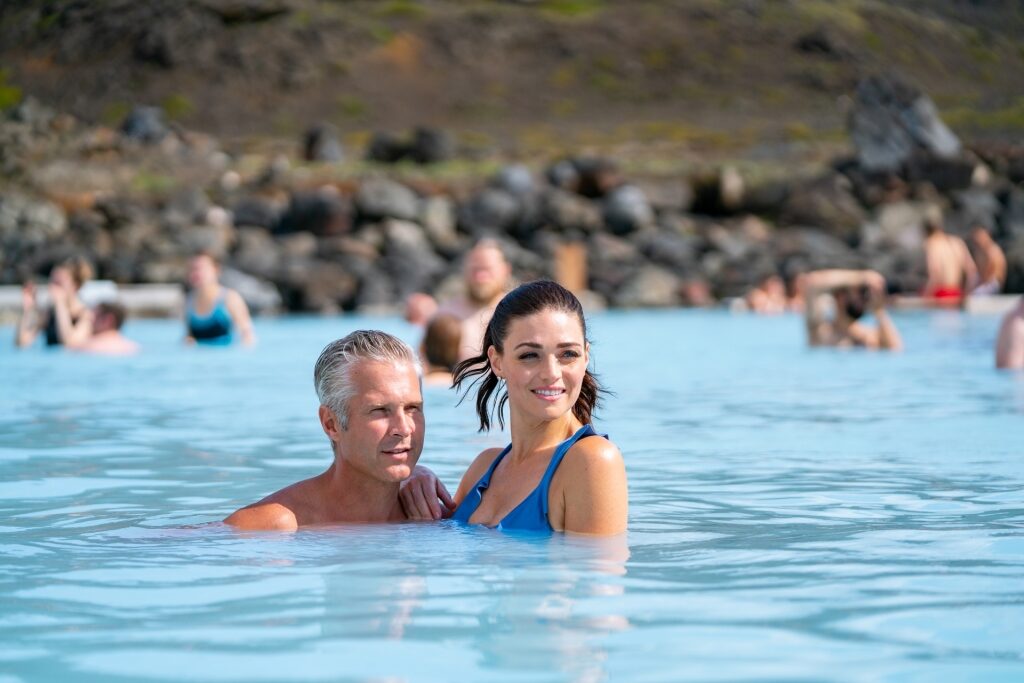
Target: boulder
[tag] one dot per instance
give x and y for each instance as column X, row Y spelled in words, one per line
column 679, row 253
column 490, row 210
column 895, row 226
column 611, row 261
column 1011, row 218
column 891, row 121
column 380, row 198
column 826, row 203
column 650, row 286
column 326, row 288
column 570, row 213
column 386, row 148
column 626, row 210
column 27, row 222
column 260, row 295
column 516, row 179
column 257, row 253
column 255, row 212
column 944, row 173
column 320, row 143
column 321, row 213
column 431, row 145
column 145, row 125
column 437, row 216
column 718, row 193
column 409, row 259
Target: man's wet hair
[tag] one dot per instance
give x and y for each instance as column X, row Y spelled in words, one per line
column 115, row 310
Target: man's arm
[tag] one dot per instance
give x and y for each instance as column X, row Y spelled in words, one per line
column 969, row 266
column 71, row 334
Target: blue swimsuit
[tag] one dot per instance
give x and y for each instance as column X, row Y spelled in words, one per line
column 532, row 513
column 212, row 328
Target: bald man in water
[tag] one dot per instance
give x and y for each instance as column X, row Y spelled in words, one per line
column 487, row 276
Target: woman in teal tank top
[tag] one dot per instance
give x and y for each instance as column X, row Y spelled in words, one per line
column 557, row 474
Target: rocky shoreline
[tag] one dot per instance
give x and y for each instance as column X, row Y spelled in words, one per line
column 297, row 236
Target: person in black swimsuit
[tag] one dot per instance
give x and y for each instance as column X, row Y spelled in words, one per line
column 66, row 279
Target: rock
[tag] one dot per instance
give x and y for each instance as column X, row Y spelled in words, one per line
column 824, row 43
column 490, row 210
column 826, row 203
column 973, row 206
column 718, row 193
column 563, row 175
column 814, row 249
column 255, row 212
column 320, row 143
column 27, row 222
column 32, row 113
column 216, row 239
column 611, row 261
column 667, row 194
column 627, row 210
column 145, row 125
column 260, row 295
column 1015, row 265
column 650, row 286
column 596, row 176
column 380, row 198
column 677, row 252
column 324, row 287
column 896, row 226
column 1011, row 218
column 516, row 179
column 437, row 215
column 570, row 213
column 298, row 245
column 168, row 269
column 321, row 213
column 257, row 253
column 945, row 174
column 890, row 121
column 376, row 292
column 431, row 145
column 245, row 11
column 386, row 148
column 904, row 271
column 409, row 259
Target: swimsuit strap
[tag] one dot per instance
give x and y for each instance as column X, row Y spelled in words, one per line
column 556, row 459
column 485, row 480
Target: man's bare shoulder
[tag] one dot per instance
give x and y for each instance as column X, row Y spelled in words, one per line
column 280, row 511
column 264, row 516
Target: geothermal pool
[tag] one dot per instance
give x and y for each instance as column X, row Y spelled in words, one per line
column 798, row 515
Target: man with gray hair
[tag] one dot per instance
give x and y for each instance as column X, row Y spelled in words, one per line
column 371, row 409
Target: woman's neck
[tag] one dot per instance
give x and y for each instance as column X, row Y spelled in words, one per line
column 530, row 436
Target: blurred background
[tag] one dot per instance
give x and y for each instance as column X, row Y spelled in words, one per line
column 341, row 155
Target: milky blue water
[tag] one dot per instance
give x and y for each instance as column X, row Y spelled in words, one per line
column 796, row 515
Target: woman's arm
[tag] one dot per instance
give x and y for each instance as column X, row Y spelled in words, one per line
column 72, row 335
column 239, row 313
column 424, row 497
column 28, row 321
column 595, row 495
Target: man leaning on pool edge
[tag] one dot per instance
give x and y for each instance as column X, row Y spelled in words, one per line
column 371, row 409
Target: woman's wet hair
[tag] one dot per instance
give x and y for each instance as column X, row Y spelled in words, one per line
column 79, row 268
column 441, row 341
column 523, row 301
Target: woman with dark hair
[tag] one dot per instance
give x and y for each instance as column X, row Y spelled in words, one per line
column 68, row 319
column 557, row 474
